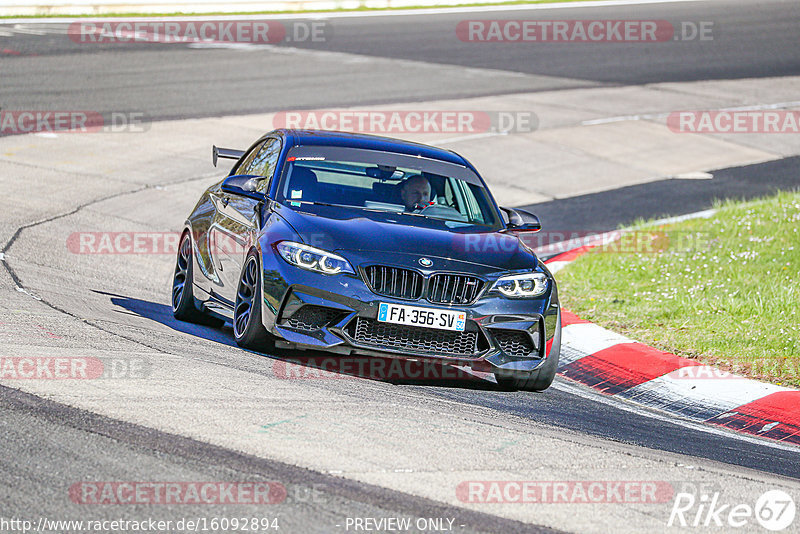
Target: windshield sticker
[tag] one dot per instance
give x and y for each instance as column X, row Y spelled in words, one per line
column 297, row 193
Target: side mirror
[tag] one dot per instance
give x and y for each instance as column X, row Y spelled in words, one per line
column 243, row 185
column 521, row 221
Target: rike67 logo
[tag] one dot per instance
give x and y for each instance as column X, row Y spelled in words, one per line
column 774, row 510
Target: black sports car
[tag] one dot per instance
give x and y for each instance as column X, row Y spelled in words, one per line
column 356, row 244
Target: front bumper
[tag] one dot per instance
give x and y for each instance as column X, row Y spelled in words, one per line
column 338, row 314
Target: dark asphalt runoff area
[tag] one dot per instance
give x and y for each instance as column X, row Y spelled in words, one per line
column 49, row 447
column 413, row 58
column 610, row 210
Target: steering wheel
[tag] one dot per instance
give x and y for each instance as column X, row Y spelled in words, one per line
column 442, row 211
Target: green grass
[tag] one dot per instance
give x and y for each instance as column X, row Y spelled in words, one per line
column 723, row 290
column 362, row 8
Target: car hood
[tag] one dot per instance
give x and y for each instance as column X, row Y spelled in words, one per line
column 392, row 238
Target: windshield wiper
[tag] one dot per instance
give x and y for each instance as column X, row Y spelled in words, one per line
column 381, row 210
column 318, row 203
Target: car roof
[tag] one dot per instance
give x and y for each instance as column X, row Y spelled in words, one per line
column 370, row 142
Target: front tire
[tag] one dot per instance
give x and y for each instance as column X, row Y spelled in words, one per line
column 248, row 329
column 538, row 380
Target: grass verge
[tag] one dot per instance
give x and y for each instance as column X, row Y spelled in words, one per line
column 723, row 290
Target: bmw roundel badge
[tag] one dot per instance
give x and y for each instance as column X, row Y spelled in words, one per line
column 425, row 262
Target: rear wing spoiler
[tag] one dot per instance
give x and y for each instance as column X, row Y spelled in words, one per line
column 225, row 153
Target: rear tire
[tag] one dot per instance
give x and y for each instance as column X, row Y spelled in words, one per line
column 248, row 329
column 183, row 307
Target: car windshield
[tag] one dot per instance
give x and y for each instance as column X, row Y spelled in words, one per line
column 390, row 182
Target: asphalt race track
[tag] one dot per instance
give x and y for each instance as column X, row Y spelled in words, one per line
column 398, row 59
column 188, row 405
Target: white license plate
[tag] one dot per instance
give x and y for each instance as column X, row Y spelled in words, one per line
column 427, row 317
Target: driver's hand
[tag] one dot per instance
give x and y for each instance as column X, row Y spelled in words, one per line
column 420, row 207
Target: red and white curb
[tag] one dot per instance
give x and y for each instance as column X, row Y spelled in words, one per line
column 616, row 365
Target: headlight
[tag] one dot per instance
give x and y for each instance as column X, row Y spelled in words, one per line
column 313, row 259
column 521, row 285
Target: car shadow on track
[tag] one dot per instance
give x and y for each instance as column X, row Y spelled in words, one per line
column 161, row 313
column 318, row 365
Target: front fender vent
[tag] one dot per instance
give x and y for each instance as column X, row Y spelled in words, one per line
column 311, row 317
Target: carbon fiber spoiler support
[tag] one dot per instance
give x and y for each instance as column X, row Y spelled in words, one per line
column 225, row 153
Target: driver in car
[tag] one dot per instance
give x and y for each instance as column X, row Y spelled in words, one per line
column 415, row 192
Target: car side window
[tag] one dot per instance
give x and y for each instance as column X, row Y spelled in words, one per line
column 247, row 162
column 265, row 162
column 450, row 197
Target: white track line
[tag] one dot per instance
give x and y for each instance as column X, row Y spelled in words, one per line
column 650, row 116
